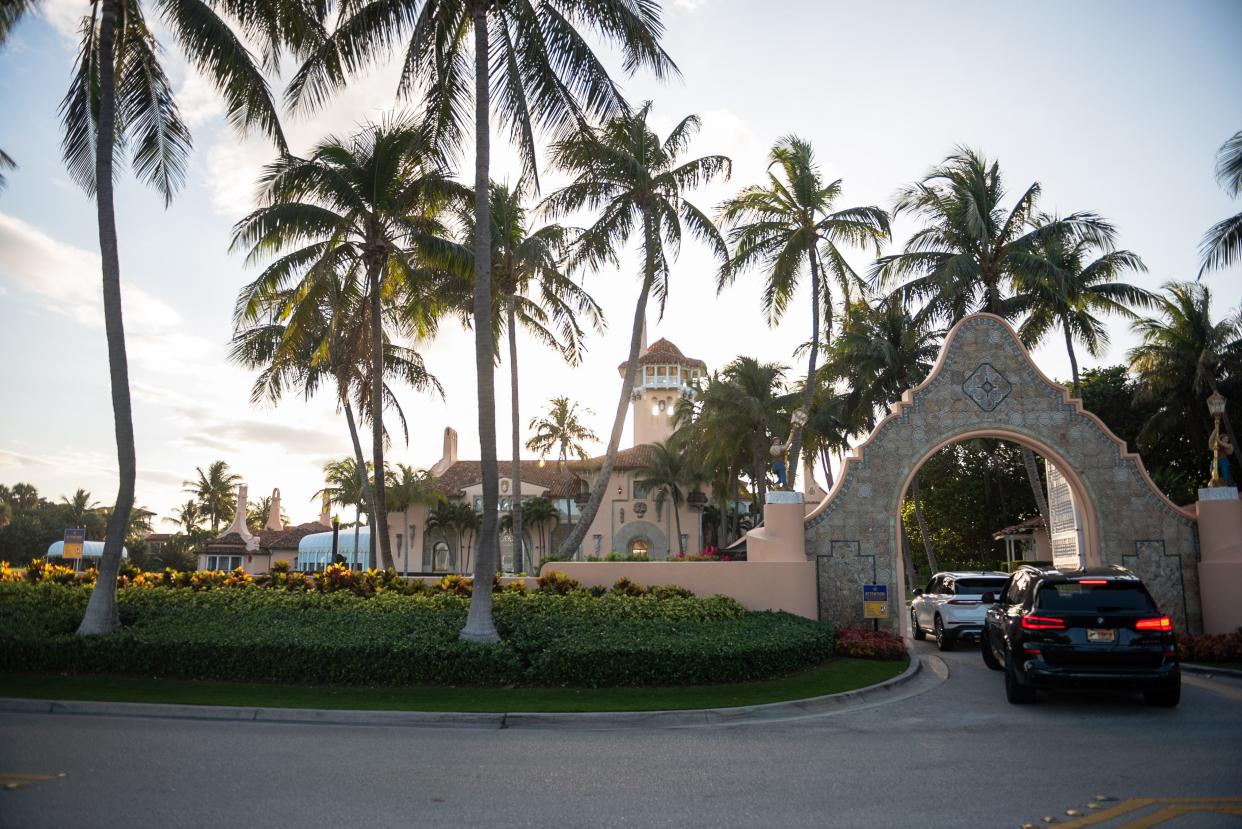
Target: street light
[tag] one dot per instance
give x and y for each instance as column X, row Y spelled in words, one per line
column 1216, row 406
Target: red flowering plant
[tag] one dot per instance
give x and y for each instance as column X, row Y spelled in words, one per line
column 864, row 643
column 1210, row 647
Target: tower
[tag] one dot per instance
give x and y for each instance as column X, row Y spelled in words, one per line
column 665, row 375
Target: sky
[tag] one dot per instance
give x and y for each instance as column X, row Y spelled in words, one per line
column 1116, row 107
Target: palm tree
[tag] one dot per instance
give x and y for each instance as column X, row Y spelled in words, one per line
column 637, row 182
column 24, row 497
column 440, row 521
column 1057, row 285
column 214, row 490
column 6, row 163
column 342, row 484
column 188, row 516
column 79, row 506
column 408, row 488
column 119, row 98
column 366, row 206
column 668, row 470
column 787, row 222
column 1222, row 244
column 560, row 432
column 1184, row 356
column 6, row 514
column 538, row 512
column 545, row 77
column 524, row 263
column 257, row 514
column 466, row 522
column 971, row 249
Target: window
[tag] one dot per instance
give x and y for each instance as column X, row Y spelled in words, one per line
column 661, row 371
column 223, row 562
column 1095, row 598
column 1017, row 586
column 640, row 547
column 650, row 372
column 441, row 557
column 641, row 490
column 599, row 543
column 977, row 587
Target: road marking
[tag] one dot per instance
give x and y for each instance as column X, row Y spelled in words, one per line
column 1213, row 686
column 1171, row 812
column 1173, row 807
column 11, row 781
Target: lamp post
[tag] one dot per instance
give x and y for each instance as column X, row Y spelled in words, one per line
column 1216, row 406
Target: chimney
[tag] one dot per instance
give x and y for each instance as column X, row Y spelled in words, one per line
column 273, row 514
column 325, row 512
column 449, row 457
column 239, row 521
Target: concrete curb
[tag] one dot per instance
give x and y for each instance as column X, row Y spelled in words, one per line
column 1208, row 670
column 592, row 721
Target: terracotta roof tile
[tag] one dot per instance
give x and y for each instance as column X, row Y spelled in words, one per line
column 469, row 473
column 664, row 352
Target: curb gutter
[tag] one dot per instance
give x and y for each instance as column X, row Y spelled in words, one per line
column 1208, row 670
column 595, row 720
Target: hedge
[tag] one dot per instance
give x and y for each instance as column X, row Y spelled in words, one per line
column 255, row 634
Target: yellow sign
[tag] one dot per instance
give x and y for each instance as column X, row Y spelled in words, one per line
column 875, row 610
column 875, row 601
column 75, row 541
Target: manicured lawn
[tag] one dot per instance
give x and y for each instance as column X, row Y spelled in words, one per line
column 832, row 677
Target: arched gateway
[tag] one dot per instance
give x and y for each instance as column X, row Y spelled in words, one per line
column 984, row 384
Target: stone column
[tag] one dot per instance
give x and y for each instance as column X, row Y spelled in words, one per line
column 783, row 534
column 1220, row 559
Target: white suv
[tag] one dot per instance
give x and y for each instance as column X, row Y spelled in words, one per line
column 950, row 607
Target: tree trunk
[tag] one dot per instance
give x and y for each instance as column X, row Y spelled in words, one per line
column 1069, row 346
column 479, row 625
column 1037, row 489
column 825, row 458
column 917, row 494
column 101, row 613
column 677, row 520
column 570, row 545
column 364, row 480
column 808, row 394
column 517, row 439
column 379, row 506
column 353, row 557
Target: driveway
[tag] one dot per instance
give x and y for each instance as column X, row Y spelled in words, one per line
column 952, row 754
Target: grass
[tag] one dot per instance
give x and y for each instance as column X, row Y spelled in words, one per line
column 834, row 676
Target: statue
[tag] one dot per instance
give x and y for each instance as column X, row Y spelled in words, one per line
column 1222, row 449
column 778, row 450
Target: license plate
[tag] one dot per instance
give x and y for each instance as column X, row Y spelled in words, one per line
column 1101, row 635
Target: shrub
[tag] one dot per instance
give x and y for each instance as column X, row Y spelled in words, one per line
column 869, row 644
column 625, row 587
column 669, row 591
column 455, row 584
column 1210, row 647
column 556, row 583
column 340, row 637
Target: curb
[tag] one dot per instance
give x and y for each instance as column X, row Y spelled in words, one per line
column 1208, row 670
column 592, row 721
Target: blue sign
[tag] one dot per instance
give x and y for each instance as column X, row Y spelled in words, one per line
column 875, row 592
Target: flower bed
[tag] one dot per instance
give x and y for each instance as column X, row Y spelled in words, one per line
column 1210, row 647
column 870, row 644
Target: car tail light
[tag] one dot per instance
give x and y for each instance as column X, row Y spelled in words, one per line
column 1093, row 581
column 1032, row 652
column 1162, row 623
column 1042, row 623
column 963, row 601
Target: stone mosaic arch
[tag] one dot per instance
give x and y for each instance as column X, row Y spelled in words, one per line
column 984, row 384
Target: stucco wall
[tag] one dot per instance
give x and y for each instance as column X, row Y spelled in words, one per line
column 984, row 384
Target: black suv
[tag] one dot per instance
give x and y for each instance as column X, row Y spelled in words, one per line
column 1096, row 627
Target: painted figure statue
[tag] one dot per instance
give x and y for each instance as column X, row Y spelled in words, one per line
column 780, row 468
column 1222, row 449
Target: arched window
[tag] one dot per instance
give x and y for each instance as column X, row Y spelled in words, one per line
column 640, row 547
column 441, row 557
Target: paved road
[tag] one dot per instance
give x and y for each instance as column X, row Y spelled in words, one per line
column 954, row 754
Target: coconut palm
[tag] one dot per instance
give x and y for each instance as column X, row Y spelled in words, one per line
column 367, row 208
column 80, row 505
column 24, row 497
column 1184, row 356
column 637, row 182
column 1222, row 244
column 538, row 513
column 258, row 511
column 1059, row 284
column 545, row 77
column 120, row 99
column 789, row 226
column 342, row 486
column 667, row 469
column 560, row 432
column 533, row 290
column 188, row 516
column 215, row 490
column 6, row 163
column 6, row 514
column 970, row 250
column 410, row 487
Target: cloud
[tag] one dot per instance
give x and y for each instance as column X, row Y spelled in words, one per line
column 65, row 16
column 241, row 436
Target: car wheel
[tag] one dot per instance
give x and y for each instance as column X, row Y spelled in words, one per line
column 943, row 640
column 1015, row 691
column 1167, row 697
column 989, row 658
column 917, row 632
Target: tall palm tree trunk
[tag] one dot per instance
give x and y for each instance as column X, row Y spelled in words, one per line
column 917, row 494
column 379, row 506
column 1069, row 347
column 808, row 394
column 101, row 613
column 681, row 549
column 517, row 438
column 570, row 545
column 479, row 625
column 1037, row 488
column 364, row 480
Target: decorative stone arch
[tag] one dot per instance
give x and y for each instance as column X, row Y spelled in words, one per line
column 984, row 384
column 641, row 529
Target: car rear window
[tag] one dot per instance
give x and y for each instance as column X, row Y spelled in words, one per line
column 972, row 587
column 1094, row 598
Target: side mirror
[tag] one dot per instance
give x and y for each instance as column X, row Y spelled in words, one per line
column 918, row 591
column 988, row 598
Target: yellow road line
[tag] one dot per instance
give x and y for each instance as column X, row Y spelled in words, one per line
column 11, row 781
column 1213, row 686
column 1170, row 812
column 1122, row 808
column 1125, row 807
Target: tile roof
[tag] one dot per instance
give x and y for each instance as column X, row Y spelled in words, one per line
column 288, row 538
column 664, row 352
column 469, row 473
column 636, row 457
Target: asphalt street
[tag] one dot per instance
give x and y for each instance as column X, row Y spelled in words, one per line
column 952, row 753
